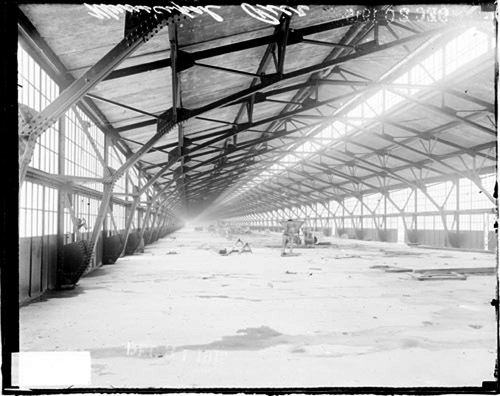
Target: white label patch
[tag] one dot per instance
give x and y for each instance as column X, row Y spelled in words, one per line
column 37, row 369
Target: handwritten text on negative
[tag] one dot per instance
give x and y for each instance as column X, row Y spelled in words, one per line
column 268, row 13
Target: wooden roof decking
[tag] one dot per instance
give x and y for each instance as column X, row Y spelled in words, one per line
column 141, row 88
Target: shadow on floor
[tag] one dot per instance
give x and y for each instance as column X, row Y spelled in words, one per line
column 249, row 339
column 56, row 294
column 97, row 272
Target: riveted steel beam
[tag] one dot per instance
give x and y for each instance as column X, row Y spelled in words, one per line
column 145, row 28
column 235, row 47
column 47, row 59
column 445, row 112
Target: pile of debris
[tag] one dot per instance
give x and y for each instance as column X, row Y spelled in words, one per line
column 438, row 273
column 238, row 247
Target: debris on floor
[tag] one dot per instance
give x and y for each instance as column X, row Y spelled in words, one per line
column 397, row 269
column 440, row 276
column 239, row 247
column 219, row 251
column 372, row 316
column 469, row 271
column 391, row 268
column 398, row 253
column 172, row 252
column 346, row 256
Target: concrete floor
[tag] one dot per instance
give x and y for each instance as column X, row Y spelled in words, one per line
column 325, row 318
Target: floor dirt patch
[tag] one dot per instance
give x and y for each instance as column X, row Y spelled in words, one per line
column 249, row 339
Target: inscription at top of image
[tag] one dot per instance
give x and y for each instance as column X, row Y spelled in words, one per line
column 402, row 15
column 264, row 13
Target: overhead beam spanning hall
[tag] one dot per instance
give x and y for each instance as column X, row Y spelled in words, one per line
column 150, row 143
column 439, row 130
column 359, row 92
column 272, row 79
column 135, row 37
column 271, row 40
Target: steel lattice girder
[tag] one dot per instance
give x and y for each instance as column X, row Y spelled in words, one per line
column 192, row 113
column 145, row 27
column 429, row 134
column 390, row 173
column 359, row 91
column 141, row 33
column 235, row 47
column 44, row 55
column 295, row 37
column 272, row 79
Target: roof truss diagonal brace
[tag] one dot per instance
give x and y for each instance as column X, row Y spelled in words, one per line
column 241, row 127
column 45, row 56
column 85, row 127
column 295, row 37
column 26, row 143
column 66, row 200
column 272, row 79
column 165, row 124
column 292, row 74
column 192, row 57
column 282, row 39
column 434, row 158
column 112, row 218
column 146, row 221
column 269, row 80
column 176, row 100
column 304, row 94
column 280, row 36
column 130, row 219
column 446, row 112
column 145, row 28
column 359, row 180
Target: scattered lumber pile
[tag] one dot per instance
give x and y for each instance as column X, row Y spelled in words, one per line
column 438, row 273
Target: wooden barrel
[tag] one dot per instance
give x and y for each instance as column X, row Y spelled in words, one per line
column 75, row 259
column 112, row 248
column 154, row 235
column 132, row 243
column 147, row 234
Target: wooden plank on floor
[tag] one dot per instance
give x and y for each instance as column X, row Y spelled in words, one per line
column 475, row 271
column 440, row 276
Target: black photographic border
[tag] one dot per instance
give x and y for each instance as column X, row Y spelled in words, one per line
column 9, row 259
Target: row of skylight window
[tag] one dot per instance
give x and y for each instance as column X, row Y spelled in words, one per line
column 463, row 49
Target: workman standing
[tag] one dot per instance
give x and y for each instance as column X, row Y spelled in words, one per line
column 288, row 235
